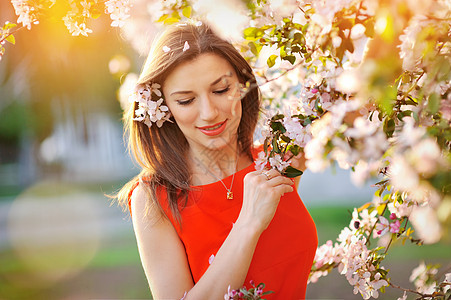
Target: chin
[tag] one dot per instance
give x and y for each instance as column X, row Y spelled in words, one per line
column 220, row 143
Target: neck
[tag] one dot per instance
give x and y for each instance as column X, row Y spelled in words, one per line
column 211, row 165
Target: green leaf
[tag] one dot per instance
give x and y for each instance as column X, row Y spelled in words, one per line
column 171, row 20
column 277, row 117
column 380, row 209
column 365, row 206
column 295, row 149
column 348, row 45
column 345, row 24
column 275, row 146
column 163, row 17
column 291, row 172
column 290, row 58
column 187, row 12
column 433, row 103
column 267, row 293
column 11, row 39
column 253, row 33
column 278, row 127
column 255, row 48
column 265, row 145
column 271, row 60
column 389, row 127
column 282, row 51
column 285, row 138
column 9, row 26
column 369, row 27
column 298, row 38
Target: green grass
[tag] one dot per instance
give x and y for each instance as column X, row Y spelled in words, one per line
column 53, row 187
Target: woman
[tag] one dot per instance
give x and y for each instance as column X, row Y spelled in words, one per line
column 204, row 218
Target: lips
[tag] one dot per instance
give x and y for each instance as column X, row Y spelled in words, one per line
column 213, row 129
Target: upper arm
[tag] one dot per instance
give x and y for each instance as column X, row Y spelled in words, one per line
column 161, row 251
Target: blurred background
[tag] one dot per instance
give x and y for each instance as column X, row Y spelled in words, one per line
column 62, row 152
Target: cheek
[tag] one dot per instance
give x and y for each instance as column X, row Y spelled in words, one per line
column 182, row 117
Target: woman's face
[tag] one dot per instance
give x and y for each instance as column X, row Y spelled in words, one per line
column 203, row 96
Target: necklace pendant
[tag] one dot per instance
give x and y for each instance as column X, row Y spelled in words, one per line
column 229, row 195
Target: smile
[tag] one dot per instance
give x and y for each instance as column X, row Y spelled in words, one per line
column 213, row 130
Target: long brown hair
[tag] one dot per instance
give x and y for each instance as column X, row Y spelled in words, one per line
column 161, row 152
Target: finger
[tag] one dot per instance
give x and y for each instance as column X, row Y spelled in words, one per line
column 282, row 189
column 271, row 173
column 278, row 180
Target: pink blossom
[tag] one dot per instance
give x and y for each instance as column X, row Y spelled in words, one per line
column 261, row 162
column 325, row 254
column 230, row 294
column 185, row 46
column 375, row 285
column 382, row 226
column 404, row 296
column 394, row 227
column 211, row 258
column 448, row 281
column 278, row 163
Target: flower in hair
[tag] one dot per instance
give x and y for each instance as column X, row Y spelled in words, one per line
column 186, row 46
column 150, row 109
column 166, row 49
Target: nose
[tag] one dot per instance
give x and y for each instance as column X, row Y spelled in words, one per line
column 207, row 110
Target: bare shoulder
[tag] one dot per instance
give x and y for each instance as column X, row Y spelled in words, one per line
column 142, row 205
column 161, row 251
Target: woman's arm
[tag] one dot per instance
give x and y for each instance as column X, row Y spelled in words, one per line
column 163, row 255
column 161, row 251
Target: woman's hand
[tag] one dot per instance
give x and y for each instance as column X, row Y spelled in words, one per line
column 262, row 192
column 297, row 162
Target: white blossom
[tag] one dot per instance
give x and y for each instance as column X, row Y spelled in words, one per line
column 119, row 11
column 427, row 226
column 25, row 12
column 278, row 162
column 420, row 276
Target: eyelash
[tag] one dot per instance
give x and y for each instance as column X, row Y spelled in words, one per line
column 220, row 92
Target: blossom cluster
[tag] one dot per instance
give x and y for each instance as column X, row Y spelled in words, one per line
column 150, row 105
column 119, row 11
column 254, row 293
column 354, row 259
column 27, row 11
column 330, row 96
column 334, row 94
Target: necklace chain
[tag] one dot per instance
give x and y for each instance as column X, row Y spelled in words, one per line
column 229, row 195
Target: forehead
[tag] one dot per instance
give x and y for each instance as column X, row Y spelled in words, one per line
column 202, row 71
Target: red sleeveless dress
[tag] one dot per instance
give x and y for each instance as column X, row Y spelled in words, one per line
column 284, row 253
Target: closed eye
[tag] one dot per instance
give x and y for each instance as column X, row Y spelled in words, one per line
column 222, row 91
column 188, row 101
column 185, row 102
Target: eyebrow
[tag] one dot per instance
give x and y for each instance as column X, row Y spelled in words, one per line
column 229, row 74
